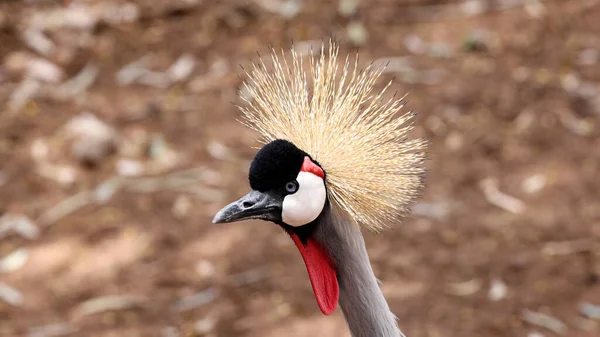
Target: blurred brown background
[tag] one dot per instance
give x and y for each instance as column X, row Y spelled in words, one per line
column 119, row 142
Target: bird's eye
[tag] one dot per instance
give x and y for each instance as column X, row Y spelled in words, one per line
column 291, row 187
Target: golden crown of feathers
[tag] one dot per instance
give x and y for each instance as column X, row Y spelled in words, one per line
column 373, row 170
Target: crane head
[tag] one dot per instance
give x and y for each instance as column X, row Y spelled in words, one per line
column 288, row 188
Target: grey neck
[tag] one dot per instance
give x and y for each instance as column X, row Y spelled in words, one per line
column 365, row 309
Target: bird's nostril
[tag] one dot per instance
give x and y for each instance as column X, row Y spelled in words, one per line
column 247, row 204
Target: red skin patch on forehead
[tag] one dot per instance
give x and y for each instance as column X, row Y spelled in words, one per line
column 309, row 166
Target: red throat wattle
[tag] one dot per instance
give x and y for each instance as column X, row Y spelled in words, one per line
column 321, row 273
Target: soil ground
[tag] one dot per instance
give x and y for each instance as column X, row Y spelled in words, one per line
column 517, row 103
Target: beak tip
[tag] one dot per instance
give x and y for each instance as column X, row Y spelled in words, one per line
column 218, row 218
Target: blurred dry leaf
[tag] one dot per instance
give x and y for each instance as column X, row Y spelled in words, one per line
column 27, row 90
column 11, row 295
column 19, row 224
column 465, row 288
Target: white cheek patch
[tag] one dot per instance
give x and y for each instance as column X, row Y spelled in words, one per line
column 307, row 203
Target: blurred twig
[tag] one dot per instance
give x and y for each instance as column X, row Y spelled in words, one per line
column 568, row 247
column 52, row 330
column 108, row 303
column 65, row 208
column 197, row 300
column 543, row 320
column 495, row 197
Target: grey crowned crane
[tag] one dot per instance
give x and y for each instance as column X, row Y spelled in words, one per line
column 336, row 157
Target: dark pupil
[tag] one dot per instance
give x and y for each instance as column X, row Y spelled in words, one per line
column 291, row 187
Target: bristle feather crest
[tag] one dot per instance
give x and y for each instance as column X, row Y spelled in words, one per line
column 373, row 172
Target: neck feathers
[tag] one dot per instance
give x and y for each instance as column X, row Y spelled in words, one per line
column 365, row 309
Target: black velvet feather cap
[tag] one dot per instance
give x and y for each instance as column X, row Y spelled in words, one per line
column 275, row 164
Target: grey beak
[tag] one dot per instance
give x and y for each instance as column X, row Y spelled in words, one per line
column 254, row 205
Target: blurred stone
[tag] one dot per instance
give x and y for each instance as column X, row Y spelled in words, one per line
column 92, row 139
column 535, row 9
column 129, row 168
column 62, row 174
column 16, row 62
column 204, row 325
column 44, row 70
column 543, row 76
column 498, row 290
column 590, row 310
column 454, row 141
column 435, row 124
column 218, row 151
column 134, row 143
column 415, row 44
column 357, row 33
column 181, row 206
column 588, row 57
column 534, row 183
column 521, row 74
column 441, row 50
column 473, row 7
column 205, row 269
column 290, row 8
column 39, row 149
column 524, row 120
column 104, row 192
column 347, row 7
column 163, row 158
column 182, row 68
column 570, row 82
